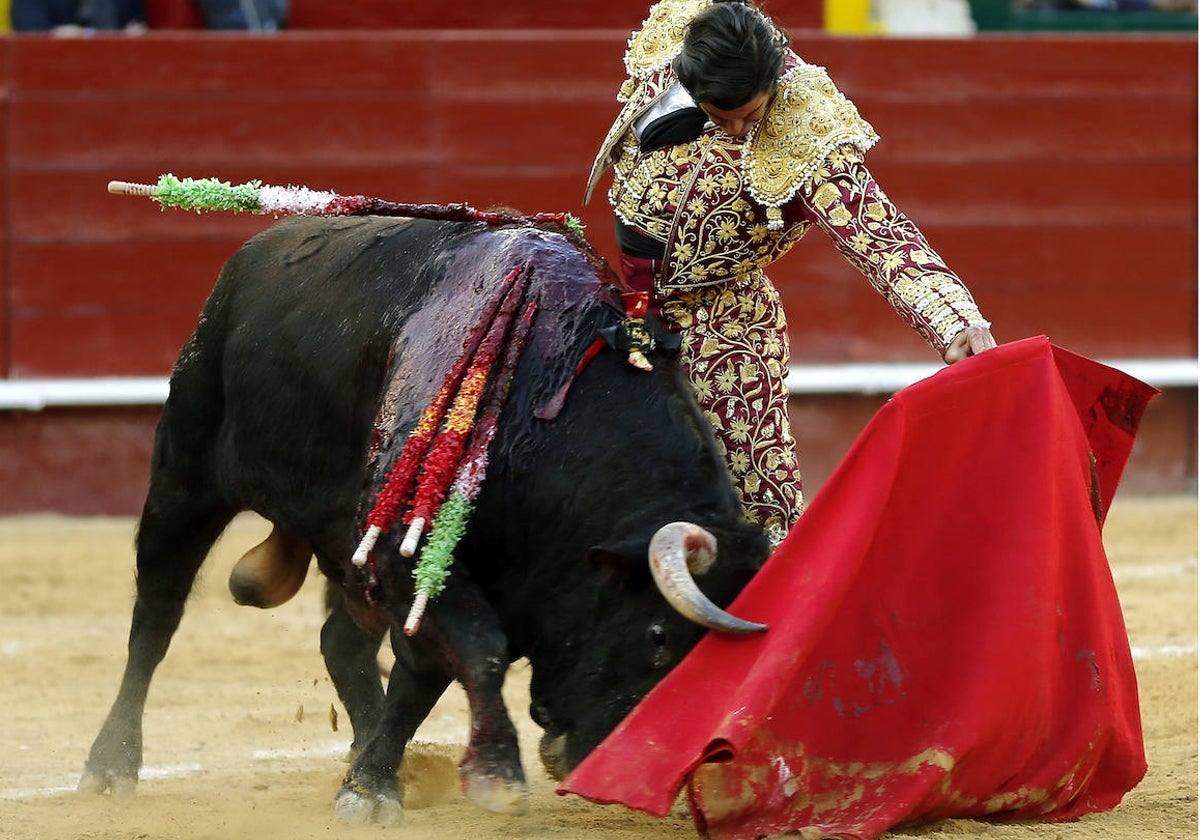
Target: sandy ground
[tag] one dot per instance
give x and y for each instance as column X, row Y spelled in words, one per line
column 240, row 733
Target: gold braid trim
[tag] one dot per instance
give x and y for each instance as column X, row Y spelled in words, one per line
column 650, row 50
column 809, row 118
column 659, row 40
column 891, row 252
column 647, row 94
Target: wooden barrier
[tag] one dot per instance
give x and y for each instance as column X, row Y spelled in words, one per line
column 1056, row 174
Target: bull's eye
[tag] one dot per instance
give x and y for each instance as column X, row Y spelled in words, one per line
column 660, row 651
column 657, row 635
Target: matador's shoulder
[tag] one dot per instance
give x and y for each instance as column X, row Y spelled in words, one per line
column 660, row 39
column 808, row 119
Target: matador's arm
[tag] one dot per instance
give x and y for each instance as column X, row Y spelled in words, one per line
column 890, row 251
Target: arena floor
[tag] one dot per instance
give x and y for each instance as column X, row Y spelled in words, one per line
column 240, row 733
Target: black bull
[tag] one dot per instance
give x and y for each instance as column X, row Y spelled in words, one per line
column 315, row 329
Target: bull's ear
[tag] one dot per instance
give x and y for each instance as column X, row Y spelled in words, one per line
column 625, row 562
column 664, row 338
column 750, row 543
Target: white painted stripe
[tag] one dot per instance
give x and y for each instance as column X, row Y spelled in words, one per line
column 1158, row 570
column 319, row 753
column 322, row 751
column 889, row 378
column 68, row 784
column 31, row 793
column 1141, row 653
column 171, row 771
column 38, row 394
column 338, row 749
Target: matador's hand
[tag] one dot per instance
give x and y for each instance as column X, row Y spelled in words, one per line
column 970, row 341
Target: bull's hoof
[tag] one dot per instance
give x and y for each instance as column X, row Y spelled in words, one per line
column 502, row 796
column 380, row 808
column 121, row 788
column 552, row 749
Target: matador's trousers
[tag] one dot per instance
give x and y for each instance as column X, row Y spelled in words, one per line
column 735, row 352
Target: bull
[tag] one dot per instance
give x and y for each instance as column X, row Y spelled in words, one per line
column 315, row 330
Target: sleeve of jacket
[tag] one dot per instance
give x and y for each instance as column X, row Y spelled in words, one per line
column 846, row 202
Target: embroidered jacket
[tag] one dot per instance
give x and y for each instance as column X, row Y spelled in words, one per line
column 725, row 209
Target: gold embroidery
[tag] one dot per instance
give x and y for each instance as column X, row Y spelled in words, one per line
column 658, row 41
column 640, row 97
column 889, row 250
column 809, row 118
column 650, row 51
column 825, row 195
column 717, row 235
column 731, row 334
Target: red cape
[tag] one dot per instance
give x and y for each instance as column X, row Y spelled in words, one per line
column 945, row 637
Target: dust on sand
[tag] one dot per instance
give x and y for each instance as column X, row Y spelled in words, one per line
column 241, row 730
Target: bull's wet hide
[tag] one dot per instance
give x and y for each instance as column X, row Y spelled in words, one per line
column 945, row 635
column 292, row 398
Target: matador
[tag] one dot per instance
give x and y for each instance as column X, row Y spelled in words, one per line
column 700, row 215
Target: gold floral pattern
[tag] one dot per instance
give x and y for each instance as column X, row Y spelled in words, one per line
column 714, row 236
column 724, row 211
column 720, row 235
column 637, row 99
column 809, row 118
column 735, row 352
column 656, row 43
column 890, row 251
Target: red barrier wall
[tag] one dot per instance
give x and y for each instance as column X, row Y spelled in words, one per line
column 1056, row 174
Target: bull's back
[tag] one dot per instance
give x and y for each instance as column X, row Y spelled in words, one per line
column 310, row 324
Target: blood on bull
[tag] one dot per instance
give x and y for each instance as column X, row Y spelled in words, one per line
column 604, row 538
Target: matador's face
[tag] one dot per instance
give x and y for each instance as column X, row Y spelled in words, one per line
column 738, row 122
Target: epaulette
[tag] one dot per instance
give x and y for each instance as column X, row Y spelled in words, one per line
column 809, row 118
column 652, row 47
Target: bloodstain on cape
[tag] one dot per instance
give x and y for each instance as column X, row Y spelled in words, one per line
column 945, row 637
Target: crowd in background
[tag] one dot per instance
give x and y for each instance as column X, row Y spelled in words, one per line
column 84, row 17
column 73, row 17
column 895, row 17
column 1107, row 5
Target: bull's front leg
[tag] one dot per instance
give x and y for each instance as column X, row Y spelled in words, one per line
column 370, row 792
column 460, row 638
column 491, row 772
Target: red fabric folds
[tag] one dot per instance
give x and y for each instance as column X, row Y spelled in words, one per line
column 945, row 637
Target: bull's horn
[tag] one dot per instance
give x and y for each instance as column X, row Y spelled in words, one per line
column 676, row 551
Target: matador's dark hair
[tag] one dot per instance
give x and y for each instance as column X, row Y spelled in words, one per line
column 731, row 52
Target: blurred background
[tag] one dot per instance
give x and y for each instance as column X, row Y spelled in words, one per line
column 1046, row 149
